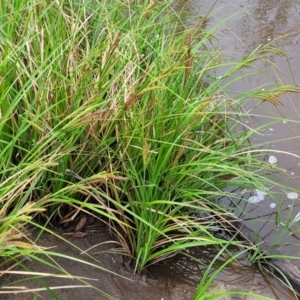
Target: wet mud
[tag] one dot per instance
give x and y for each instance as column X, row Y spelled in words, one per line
column 98, row 272
column 103, row 274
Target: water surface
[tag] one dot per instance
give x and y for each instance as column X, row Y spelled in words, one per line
column 252, row 23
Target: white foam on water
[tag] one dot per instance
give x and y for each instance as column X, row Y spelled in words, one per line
column 272, row 160
column 273, row 205
column 260, row 194
column 292, row 195
column 254, row 199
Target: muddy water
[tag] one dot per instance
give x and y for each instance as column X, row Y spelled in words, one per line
column 236, row 276
column 259, row 22
column 255, row 22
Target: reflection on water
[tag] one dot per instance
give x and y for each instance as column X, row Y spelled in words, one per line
column 239, row 276
column 259, row 22
column 190, row 269
column 268, row 19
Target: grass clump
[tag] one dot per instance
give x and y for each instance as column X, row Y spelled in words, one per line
column 113, row 109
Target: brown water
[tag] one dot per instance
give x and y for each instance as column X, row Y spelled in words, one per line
column 236, row 276
column 259, row 22
column 256, row 22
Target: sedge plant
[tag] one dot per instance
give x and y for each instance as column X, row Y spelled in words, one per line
column 113, row 109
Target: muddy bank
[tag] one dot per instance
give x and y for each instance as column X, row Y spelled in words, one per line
column 93, row 282
column 175, row 279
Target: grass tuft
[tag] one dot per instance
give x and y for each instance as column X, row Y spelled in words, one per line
column 113, row 109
